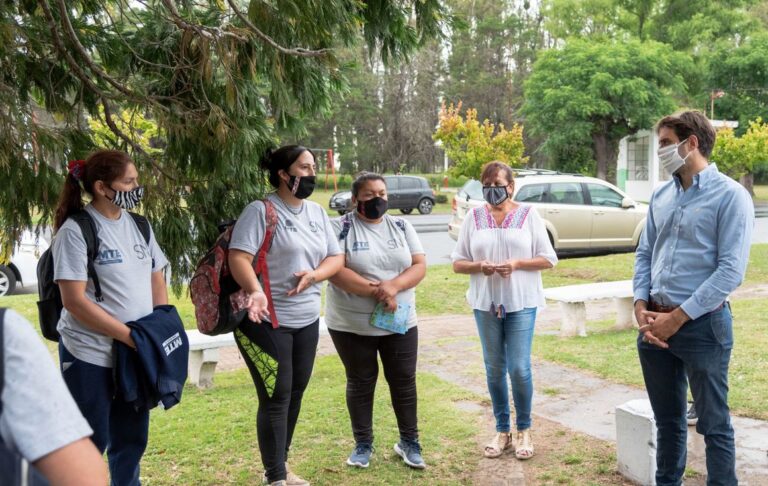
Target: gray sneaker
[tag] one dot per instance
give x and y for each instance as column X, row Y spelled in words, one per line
column 291, row 479
column 410, row 451
column 691, row 416
column 361, row 456
column 274, row 483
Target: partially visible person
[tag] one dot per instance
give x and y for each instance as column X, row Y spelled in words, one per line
column 384, row 261
column 503, row 246
column 692, row 254
column 690, row 415
column 38, row 417
column 130, row 272
column 304, row 252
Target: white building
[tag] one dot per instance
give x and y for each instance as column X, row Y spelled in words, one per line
column 638, row 171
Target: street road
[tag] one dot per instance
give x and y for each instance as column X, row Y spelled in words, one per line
column 439, row 245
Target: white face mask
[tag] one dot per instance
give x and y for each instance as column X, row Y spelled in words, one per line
column 670, row 158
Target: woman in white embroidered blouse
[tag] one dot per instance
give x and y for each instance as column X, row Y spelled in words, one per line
column 503, row 246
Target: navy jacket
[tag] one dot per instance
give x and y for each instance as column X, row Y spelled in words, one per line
column 157, row 370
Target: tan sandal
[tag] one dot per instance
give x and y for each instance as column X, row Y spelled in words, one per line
column 496, row 447
column 524, row 445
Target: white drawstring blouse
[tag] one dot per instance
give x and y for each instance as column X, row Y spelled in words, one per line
column 521, row 236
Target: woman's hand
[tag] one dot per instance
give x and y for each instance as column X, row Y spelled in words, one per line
column 384, row 290
column 505, row 269
column 257, row 305
column 306, row 278
column 487, row 267
column 124, row 336
column 390, row 305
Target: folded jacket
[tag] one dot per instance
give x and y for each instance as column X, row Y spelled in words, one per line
column 156, row 371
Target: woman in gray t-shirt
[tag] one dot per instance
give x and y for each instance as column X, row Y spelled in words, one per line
column 130, row 274
column 303, row 253
column 371, row 311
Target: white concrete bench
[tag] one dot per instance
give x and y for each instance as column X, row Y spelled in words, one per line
column 204, row 355
column 572, row 298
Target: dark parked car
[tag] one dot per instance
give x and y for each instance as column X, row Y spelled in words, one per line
column 403, row 192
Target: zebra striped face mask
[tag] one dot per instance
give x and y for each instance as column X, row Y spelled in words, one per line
column 127, row 199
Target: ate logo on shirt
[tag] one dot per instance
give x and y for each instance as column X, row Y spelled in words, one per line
column 109, row 257
column 289, row 226
column 360, row 246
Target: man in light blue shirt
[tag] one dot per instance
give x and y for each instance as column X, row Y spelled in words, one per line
column 693, row 253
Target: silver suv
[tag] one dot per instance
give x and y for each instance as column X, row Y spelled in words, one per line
column 580, row 213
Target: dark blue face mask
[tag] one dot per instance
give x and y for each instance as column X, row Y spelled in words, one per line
column 495, row 195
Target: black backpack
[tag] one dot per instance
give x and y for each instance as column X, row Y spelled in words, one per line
column 49, row 306
column 14, row 469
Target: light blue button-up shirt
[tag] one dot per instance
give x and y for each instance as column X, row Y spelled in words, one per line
column 695, row 247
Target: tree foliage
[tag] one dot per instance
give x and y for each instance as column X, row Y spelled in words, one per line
column 386, row 119
column 471, row 144
column 738, row 156
column 599, row 92
column 742, row 74
column 217, row 77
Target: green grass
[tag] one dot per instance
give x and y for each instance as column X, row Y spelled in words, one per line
column 761, row 193
column 443, row 291
column 613, row 355
column 210, row 438
column 757, row 270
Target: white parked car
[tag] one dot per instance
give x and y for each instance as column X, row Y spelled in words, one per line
column 580, row 213
column 21, row 270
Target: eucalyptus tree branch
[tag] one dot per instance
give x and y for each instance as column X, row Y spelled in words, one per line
column 209, row 33
column 296, row 51
column 128, row 45
column 70, row 31
column 73, row 64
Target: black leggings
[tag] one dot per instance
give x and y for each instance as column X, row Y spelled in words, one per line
column 398, row 357
column 280, row 361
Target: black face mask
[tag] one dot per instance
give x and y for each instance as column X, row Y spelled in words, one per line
column 373, row 208
column 495, row 195
column 301, row 186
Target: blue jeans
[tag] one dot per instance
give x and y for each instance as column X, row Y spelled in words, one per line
column 700, row 350
column 507, row 349
column 117, row 427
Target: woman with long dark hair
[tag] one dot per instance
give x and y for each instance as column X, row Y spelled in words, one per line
column 131, row 279
column 280, row 349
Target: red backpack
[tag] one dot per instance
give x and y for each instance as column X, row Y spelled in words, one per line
column 219, row 301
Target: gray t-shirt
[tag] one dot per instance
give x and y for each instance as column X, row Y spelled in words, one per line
column 124, row 266
column 39, row 415
column 302, row 240
column 376, row 252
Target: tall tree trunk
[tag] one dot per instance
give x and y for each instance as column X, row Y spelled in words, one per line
column 605, row 150
column 748, row 181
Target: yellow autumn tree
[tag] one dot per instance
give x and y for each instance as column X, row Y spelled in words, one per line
column 738, row 156
column 470, row 144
